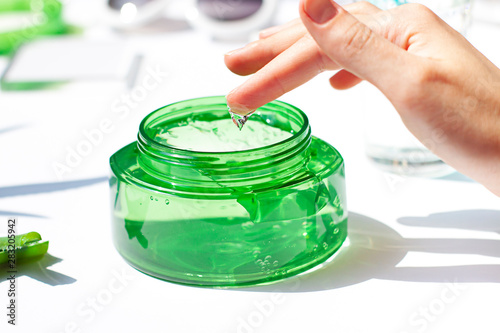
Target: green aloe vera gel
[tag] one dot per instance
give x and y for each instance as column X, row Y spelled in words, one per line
column 197, row 201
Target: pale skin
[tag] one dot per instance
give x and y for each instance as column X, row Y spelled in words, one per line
column 446, row 92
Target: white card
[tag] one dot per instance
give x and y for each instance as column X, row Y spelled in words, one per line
column 71, row 59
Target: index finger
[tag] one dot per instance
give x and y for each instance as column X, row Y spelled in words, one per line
column 293, row 67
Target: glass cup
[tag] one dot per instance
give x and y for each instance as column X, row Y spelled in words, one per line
column 388, row 142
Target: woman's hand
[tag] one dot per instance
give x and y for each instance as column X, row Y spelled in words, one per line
column 446, row 92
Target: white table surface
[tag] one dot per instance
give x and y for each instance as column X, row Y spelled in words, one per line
column 424, row 254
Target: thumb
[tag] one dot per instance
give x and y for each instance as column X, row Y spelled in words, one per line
column 354, row 46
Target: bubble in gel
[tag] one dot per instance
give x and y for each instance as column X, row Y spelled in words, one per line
column 167, row 202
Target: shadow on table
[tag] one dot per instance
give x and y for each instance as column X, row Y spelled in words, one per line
column 10, row 191
column 38, row 270
column 17, row 214
column 479, row 220
column 12, row 128
column 375, row 250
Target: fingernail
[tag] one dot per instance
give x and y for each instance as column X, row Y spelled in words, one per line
column 238, row 108
column 320, row 11
column 232, row 52
column 269, row 31
column 245, row 48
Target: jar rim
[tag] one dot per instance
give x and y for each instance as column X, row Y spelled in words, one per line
column 285, row 164
column 161, row 112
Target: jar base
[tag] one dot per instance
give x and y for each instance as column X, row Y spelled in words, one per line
column 152, row 265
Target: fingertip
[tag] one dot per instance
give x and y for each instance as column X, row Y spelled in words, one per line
column 238, row 64
column 232, row 61
column 344, row 80
column 229, row 61
column 319, row 11
column 236, row 106
column 244, row 61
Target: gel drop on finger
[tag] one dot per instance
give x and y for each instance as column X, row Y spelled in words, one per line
column 239, row 120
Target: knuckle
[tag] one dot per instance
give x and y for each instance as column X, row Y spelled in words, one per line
column 416, row 10
column 317, row 56
column 421, row 79
column 277, row 82
column 425, row 75
column 356, row 37
column 323, row 63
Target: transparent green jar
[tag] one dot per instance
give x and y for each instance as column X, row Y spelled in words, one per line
column 44, row 18
column 192, row 215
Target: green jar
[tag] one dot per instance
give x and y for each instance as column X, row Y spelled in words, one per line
column 44, row 18
column 196, row 201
